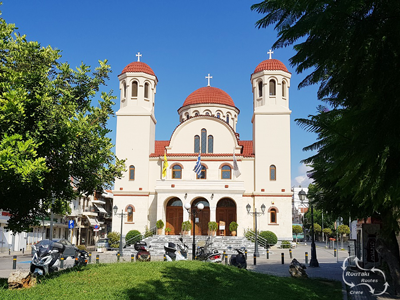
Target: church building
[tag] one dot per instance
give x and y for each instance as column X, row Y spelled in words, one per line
column 231, row 174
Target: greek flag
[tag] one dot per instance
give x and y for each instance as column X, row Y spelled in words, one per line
column 197, row 167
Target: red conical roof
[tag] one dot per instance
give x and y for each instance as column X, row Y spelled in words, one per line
column 209, row 95
column 138, row 66
column 270, row 65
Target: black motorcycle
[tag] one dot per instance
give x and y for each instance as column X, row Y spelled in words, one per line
column 81, row 259
column 206, row 253
column 238, row 260
column 46, row 258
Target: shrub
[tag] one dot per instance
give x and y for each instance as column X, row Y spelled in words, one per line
column 160, row 224
column 212, row 226
column 147, row 233
column 114, row 239
column 249, row 234
column 132, row 237
column 285, row 244
column 270, row 237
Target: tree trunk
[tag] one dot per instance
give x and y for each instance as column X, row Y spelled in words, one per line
column 391, row 257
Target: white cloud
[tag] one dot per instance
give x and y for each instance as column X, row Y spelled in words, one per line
column 302, row 179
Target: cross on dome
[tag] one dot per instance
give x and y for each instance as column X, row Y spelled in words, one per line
column 270, row 53
column 208, row 77
column 138, row 56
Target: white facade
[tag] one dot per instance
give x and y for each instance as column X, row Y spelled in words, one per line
column 208, row 119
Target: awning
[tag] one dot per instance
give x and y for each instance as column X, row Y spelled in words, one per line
column 100, row 208
column 92, row 221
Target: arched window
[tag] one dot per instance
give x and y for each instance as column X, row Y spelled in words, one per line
column 124, row 89
column 134, row 88
column 146, row 90
column 260, row 86
column 227, row 119
column 283, row 88
column 272, row 172
column 210, row 144
column 203, row 174
column 177, row 172
column 131, row 172
column 130, row 215
column 226, row 172
column 207, row 113
column 272, row 216
column 203, row 140
column 187, row 116
column 196, row 144
column 218, row 115
column 196, row 114
column 272, row 87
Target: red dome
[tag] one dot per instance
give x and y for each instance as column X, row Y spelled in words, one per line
column 270, row 65
column 209, row 95
column 138, row 66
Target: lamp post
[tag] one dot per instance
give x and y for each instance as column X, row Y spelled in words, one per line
column 255, row 213
column 121, row 214
column 194, row 212
column 313, row 261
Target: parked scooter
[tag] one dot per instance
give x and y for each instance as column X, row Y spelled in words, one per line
column 205, row 253
column 238, row 260
column 46, row 258
column 82, row 258
column 175, row 251
column 143, row 253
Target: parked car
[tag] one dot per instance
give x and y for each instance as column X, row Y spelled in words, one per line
column 70, row 249
column 102, row 244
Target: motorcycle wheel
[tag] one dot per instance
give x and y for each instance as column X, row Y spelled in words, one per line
column 144, row 256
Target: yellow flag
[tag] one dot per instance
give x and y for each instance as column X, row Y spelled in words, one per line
column 165, row 166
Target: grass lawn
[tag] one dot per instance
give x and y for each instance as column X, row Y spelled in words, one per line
column 172, row 280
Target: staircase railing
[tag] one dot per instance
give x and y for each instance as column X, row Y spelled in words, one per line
column 251, row 236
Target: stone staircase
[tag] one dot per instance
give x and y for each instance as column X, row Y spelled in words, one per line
column 221, row 243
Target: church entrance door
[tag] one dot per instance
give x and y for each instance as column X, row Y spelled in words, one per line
column 174, row 216
column 203, row 217
column 226, row 211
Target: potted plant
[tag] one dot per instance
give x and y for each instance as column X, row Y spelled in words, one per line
column 160, row 226
column 186, row 227
column 212, row 227
column 167, row 230
column 233, row 227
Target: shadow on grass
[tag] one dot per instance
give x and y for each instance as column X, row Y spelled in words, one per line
column 211, row 281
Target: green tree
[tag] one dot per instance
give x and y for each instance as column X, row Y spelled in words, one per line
column 342, row 230
column 53, row 143
column 296, row 230
column 352, row 49
column 317, row 229
column 327, row 232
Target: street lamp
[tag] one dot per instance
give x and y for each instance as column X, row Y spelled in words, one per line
column 121, row 214
column 194, row 212
column 313, row 261
column 255, row 213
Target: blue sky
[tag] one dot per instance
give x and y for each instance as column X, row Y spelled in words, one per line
column 182, row 41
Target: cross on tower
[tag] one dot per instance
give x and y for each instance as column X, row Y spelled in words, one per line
column 208, row 77
column 138, row 56
column 270, row 53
